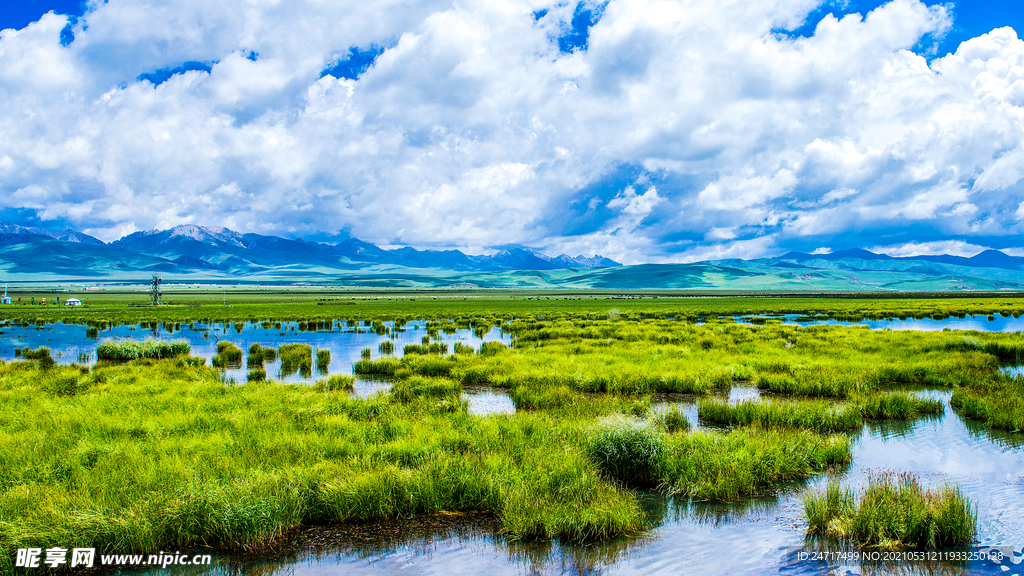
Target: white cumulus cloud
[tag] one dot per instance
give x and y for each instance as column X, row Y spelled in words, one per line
column 472, row 128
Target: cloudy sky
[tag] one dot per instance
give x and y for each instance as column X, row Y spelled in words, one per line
column 643, row 130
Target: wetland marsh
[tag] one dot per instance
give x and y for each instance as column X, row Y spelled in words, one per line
column 581, row 436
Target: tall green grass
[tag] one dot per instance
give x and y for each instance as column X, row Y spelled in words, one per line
column 491, row 348
column 255, row 357
column 710, row 466
column 408, row 389
column 818, row 416
column 999, row 403
column 296, row 358
column 123, row 350
column 897, row 406
column 674, row 420
column 542, row 397
column 42, row 356
column 228, row 355
column 160, row 454
column 893, row 512
column 421, row 349
column 828, row 382
column 379, row 367
column 626, row 449
column 335, row 383
column 323, row 359
column 143, row 457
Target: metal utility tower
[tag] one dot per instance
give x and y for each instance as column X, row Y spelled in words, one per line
column 154, row 290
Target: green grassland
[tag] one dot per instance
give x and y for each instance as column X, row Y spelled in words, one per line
column 554, row 363
column 156, row 452
column 322, row 303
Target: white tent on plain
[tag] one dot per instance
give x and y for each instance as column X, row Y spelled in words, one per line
column 72, row 302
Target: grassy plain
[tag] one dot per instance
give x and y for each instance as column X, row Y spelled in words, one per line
column 312, row 303
column 160, row 453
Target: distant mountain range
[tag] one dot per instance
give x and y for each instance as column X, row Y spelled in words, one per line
column 68, row 235
column 191, row 249
column 218, row 255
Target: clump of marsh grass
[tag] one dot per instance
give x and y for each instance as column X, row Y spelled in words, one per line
column 527, row 397
column 386, row 347
column 379, row 367
column 625, row 448
column 334, row 383
column 491, row 348
column 894, row 512
column 323, row 359
column 712, row 466
column 256, row 375
column 824, row 382
column 408, row 389
column 255, row 357
column 67, row 381
column 41, row 355
column 123, row 350
column 818, row 416
column 897, row 406
column 674, row 420
column 999, row 403
column 460, row 348
column 269, row 354
column 228, row 355
column 436, row 348
column 296, row 358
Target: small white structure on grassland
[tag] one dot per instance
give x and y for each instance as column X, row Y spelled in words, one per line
column 6, row 299
column 72, row 302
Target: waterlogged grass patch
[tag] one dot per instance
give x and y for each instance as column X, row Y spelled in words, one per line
column 335, row 383
column 897, row 406
column 408, row 389
column 894, row 512
column 812, row 415
column 820, row 381
column 625, row 448
column 162, row 454
column 255, row 358
column 532, row 397
column 673, row 419
column 296, row 358
column 712, row 466
column 999, row 403
column 228, row 355
column 123, row 350
column 41, row 356
column 323, row 360
column 379, row 367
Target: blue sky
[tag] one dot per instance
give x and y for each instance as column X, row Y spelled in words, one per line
column 638, row 129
